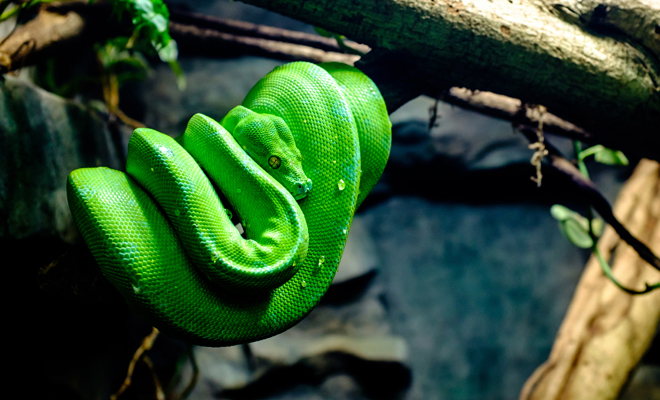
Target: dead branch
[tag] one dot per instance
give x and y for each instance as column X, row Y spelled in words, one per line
column 215, row 43
column 513, row 110
column 146, row 345
column 242, row 28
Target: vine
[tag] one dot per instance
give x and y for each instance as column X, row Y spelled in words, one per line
column 583, row 232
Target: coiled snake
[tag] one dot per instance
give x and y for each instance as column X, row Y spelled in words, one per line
column 161, row 235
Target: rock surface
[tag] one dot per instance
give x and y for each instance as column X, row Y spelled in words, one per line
column 44, row 137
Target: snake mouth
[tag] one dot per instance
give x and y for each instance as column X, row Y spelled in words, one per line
column 301, row 189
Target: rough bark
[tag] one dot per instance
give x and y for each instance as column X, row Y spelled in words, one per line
column 606, row 331
column 602, row 80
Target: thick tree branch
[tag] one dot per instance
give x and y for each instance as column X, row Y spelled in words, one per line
column 520, row 49
column 636, row 20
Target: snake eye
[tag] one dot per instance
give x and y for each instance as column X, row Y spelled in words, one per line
column 274, row 162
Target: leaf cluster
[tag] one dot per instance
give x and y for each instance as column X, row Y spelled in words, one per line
column 150, row 19
column 125, row 55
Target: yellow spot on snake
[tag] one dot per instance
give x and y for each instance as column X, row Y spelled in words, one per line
column 341, row 185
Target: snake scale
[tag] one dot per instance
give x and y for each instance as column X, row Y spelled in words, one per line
column 294, row 161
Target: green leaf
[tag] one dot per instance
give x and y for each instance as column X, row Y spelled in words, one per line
column 611, row 157
column 561, row 213
column 574, row 231
column 575, row 227
column 169, row 52
column 597, row 226
column 604, row 155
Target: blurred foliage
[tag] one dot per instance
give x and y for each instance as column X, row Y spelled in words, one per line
column 604, row 155
column 150, row 19
column 575, row 227
column 17, row 8
column 124, row 56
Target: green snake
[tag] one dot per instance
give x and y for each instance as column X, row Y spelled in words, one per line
column 294, row 161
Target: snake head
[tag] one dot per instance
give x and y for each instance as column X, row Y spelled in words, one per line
column 268, row 140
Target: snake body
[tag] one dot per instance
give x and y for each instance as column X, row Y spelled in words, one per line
column 160, row 233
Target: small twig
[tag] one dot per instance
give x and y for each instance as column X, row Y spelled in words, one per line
column 146, row 345
column 110, row 86
column 588, row 190
column 159, row 389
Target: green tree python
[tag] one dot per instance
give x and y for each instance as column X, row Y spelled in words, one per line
column 294, row 161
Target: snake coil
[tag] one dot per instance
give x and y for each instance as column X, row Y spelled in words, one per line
column 160, row 233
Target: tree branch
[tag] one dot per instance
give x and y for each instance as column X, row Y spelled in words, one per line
column 511, row 109
column 209, row 42
column 242, row 28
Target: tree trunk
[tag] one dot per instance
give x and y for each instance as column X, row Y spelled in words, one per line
column 606, row 331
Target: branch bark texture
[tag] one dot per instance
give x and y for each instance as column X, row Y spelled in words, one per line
column 605, row 81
